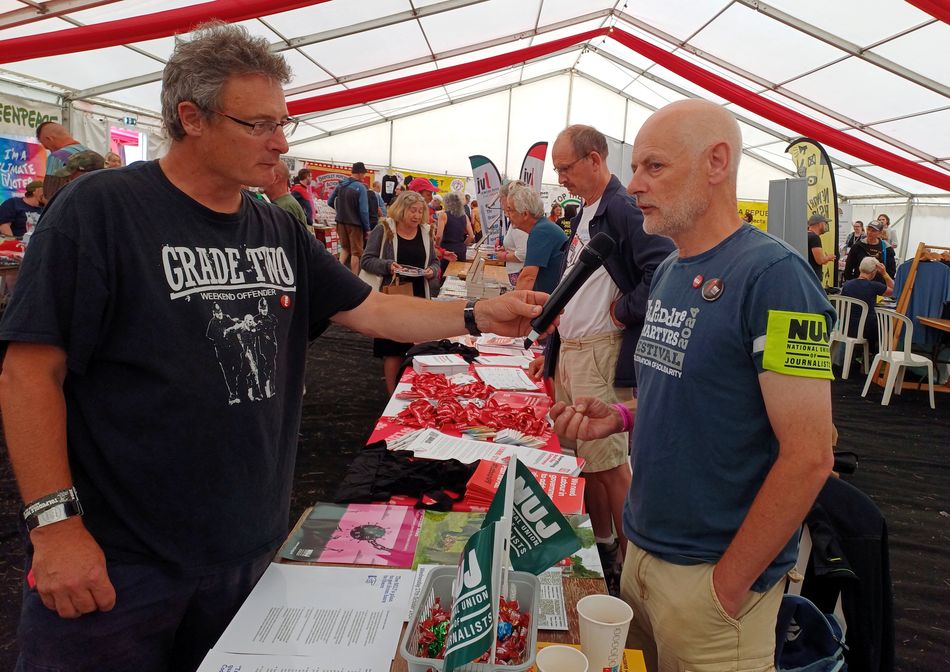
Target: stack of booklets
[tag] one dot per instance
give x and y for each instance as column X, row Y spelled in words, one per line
column 567, row 492
column 447, row 364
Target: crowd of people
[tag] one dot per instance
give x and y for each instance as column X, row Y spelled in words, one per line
column 154, row 449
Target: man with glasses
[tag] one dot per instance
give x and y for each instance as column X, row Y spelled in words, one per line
column 591, row 354
column 157, row 491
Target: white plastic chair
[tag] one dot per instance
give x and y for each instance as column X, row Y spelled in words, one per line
column 850, row 311
column 898, row 360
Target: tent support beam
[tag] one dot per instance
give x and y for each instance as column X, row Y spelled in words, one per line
column 297, row 42
column 329, row 35
column 47, row 10
column 315, row 116
column 765, row 129
column 508, row 137
column 905, row 232
column 437, row 106
column 628, row 98
column 772, row 86
column 848, row 47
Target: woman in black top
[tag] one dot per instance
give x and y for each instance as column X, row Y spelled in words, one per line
column 455, row 228
column 403, row 242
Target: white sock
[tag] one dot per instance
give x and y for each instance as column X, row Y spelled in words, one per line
column 605, row 540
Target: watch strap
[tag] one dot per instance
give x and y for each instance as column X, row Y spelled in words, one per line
column 470, row 325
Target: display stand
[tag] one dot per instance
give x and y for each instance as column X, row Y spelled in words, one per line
column 923, row 252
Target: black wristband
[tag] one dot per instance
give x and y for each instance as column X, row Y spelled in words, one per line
column 52, row 508
column 470, row 325
column 54, row 514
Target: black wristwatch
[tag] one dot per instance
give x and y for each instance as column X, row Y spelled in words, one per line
column 469, row 314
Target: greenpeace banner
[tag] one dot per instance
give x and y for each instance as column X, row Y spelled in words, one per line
column 327, row 175
column 540, row 534
column 22, row 157
column 487, row 186
column 812, row 163
column 472, row 626
column 533, row 165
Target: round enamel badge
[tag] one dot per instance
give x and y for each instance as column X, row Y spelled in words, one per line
column 713, row 289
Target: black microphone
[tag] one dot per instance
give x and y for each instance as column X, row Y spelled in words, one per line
column 592, row 257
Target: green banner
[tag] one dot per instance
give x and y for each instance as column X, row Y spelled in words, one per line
column 540, row 534
column 473, row 612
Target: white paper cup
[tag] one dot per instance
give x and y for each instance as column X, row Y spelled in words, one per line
column 604, row 621
column 560, row 658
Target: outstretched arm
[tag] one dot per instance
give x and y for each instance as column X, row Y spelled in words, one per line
column 408, row 319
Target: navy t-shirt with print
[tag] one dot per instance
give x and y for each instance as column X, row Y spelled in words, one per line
column 702, row 443
column 18, row 214
column 185, row 332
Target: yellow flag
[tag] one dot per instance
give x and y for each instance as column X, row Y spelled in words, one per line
column 812, row 163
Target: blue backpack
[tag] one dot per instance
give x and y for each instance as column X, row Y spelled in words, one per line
column 806, row 640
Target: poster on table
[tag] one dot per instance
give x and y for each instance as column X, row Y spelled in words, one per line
column 759, row 211
column 327, row 175
column 358, row 534
column 22, row 157
column 487, row 186
column 812, row 163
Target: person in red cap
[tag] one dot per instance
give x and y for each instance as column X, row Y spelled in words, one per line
column 424, row 187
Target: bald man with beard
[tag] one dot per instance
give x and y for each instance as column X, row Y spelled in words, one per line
column 732, row 439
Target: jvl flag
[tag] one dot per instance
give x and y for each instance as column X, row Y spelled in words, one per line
column 472, row 627
column 533, row 165
column 487, row 186
column 540, row 534
column 812, row 163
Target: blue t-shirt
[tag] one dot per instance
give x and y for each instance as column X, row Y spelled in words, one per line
column 18, row 214
column 546, row 250
column 702, row 442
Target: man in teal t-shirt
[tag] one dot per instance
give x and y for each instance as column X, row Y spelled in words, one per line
column 546, row 240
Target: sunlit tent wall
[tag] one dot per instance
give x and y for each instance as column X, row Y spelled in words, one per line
column 867, row 71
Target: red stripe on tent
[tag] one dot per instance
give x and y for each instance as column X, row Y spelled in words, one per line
column 713, row 83
column 139, row 28
column 775, row 112
column 426, row 80
column 939, row 9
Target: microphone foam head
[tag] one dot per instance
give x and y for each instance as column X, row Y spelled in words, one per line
column 600, row 246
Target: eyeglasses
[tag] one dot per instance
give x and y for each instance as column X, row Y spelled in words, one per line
column 259, row 128
column 564, row 169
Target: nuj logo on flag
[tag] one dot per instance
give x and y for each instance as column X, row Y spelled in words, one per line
column 472, row 626
column 540, row 534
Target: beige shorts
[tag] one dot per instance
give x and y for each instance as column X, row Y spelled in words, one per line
column 585, row 368
column 679, row 623
column 351, row 238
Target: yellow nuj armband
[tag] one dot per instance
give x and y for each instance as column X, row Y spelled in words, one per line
column 796, row 344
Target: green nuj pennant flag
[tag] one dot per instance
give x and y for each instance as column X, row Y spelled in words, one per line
column 472, row 627
column 540, row 534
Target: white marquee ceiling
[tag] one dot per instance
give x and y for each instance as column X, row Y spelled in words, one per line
column 876, row 69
